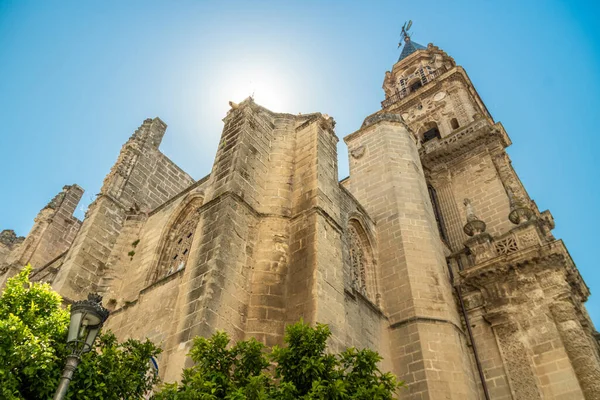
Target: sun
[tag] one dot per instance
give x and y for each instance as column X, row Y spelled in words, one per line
column 269, row 87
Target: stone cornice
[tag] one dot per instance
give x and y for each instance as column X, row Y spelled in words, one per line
column 460, row 142
column 456, row 73
column 423, row 319
column 532, row 260
column 374, row 120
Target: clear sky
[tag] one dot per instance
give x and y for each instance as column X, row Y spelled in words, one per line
column 77, row 78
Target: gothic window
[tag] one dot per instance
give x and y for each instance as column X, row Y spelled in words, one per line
column 178, row 243
column 437, row 213
column 454, row 123
column 361, row 258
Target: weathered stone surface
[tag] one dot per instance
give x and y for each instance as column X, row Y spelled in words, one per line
column 271, row 236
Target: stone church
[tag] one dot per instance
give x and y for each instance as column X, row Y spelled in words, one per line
column 431, row 252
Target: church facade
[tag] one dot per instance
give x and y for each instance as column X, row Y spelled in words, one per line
column 431, row 252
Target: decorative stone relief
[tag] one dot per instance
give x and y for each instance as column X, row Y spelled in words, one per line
column 507, row 245
column 480, row 248
column 517, row 361
column 578, row 346
column 528, row 239
column 439, row 96
column 358, row 152
column 357, row 257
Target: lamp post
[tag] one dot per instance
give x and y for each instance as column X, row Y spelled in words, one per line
column 87, row 317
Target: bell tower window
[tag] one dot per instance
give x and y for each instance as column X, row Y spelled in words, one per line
column 430, row 131
column 454, row 123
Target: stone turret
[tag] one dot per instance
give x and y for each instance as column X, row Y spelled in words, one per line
column 53, row 231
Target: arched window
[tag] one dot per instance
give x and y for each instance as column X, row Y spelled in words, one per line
column 361, row 257
column 415, row 83
column 178, row 241
column 454, row 123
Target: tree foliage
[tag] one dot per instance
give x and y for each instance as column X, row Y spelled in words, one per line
column 33, row 330
column 300, row 370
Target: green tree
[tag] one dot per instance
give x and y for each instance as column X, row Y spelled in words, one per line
column 33, row 330
column 302, row 369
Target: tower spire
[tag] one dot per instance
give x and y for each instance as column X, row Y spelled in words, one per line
column 409, row 46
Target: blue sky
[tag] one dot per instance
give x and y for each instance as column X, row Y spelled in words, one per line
column 77, row 78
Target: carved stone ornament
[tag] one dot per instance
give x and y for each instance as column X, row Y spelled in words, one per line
column 358, row 152
column 517, row 361
column 481, row 247
column 439, row 96
column 327, row 122
column 519, row 212
column 474, row 225
column 506, row 245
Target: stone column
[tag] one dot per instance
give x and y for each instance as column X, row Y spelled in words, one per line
column 509, row 177
column 578, row 347
column 516, row 360
column 450, row 212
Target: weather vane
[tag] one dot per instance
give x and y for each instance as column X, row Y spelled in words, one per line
column 405, row 35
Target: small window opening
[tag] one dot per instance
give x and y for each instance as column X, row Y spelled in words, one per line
column 185, row 251
column 179, row 241
column 454, row 123
column 175, row 258
column 437, row 213
column 431, row 134
column 415, row 86
column 189, row 235
column 429, row 131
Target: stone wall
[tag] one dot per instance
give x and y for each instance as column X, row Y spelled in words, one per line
column 142, row 179
column 52, row 234
column 270, row 246
column 428, row 346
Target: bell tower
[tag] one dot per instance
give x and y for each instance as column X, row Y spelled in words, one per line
column 483, row 301
column 520, row 287
column 431, row 93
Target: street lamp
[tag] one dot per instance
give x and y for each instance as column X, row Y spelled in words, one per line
column 87, row 317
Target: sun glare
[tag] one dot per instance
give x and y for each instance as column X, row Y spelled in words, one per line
column 269, row 87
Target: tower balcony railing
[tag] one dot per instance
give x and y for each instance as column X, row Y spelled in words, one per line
column 400, row 94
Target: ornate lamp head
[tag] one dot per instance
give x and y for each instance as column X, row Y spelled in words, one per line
column 87, row 318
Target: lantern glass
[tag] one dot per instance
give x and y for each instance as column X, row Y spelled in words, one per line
column 92, row 332
column 92, row 319
column 75, row 325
